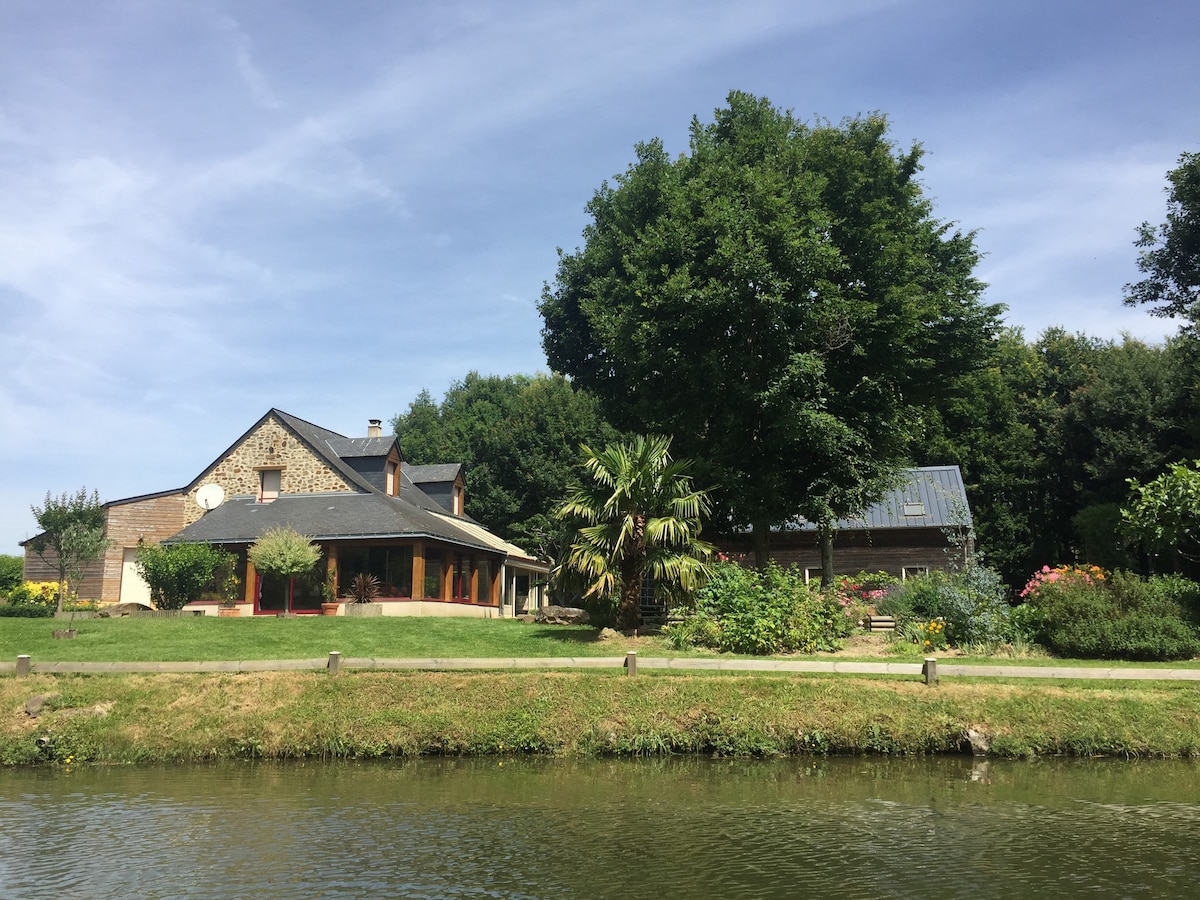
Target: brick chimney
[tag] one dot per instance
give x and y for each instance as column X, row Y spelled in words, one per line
column 374, row 427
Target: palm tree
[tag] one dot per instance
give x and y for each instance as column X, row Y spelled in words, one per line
column 641, row 518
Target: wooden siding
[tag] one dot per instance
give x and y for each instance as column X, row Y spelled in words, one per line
column 878, row 550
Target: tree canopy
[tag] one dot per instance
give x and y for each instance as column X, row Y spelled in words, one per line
column 1170, row 252
column 72, row 535
column 519, row 438
column 780, row 299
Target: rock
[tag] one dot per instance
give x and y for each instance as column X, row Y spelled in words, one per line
column 981, row 744
column 120, row 609
column 562, row 615
column 609, row 634
column 34, row 705
column 527, row 617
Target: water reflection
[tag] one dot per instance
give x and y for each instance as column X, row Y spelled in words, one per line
column 521, row 828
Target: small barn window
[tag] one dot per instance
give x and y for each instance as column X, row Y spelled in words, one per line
column 913, row 571
column 269, row 481
column 916, row 508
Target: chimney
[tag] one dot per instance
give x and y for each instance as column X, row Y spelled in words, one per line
column 374, row 428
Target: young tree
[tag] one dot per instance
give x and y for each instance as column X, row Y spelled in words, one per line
column 780, row 299
column 641, row 518
column 72, row 535
column 177, row 573
column 285, row 552
column 1170, row 253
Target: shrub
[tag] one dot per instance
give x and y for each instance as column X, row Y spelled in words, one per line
column 35, row 593
column 1124, row 617
column 179, row 573
column 26, row 611
column 761, row 611
column 971, row 604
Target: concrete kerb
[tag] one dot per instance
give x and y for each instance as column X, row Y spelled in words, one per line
column 24, row 665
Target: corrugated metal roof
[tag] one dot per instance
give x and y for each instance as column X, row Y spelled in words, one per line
column 928, row 497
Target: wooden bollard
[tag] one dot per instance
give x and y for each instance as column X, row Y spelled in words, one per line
column 335, row 660
column 23, row 665
column 929, row 670
column 631, row 662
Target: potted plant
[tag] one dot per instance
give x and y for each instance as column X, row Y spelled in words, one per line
column 229, row 597
column 364, row 588
column 329, row 600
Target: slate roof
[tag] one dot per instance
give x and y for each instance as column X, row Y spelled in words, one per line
column 928, row 497
column 435, row 473
column 364, row 513
column 333, row 516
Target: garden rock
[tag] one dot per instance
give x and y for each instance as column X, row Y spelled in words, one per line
column 562, row 615
column 121, row 609
column 35, row 704
column 609, row 634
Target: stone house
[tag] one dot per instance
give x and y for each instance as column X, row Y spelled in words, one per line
column 356, row 497
column 923, row 524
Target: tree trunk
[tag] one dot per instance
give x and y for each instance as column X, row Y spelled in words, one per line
column 825, row 536
column 629, row 614
column 760, row 533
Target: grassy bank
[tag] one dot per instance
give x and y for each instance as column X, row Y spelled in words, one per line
column 190, row 718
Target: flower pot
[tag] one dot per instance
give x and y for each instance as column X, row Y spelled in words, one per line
column 329, row 609
column 64, row 633
column 226, row 612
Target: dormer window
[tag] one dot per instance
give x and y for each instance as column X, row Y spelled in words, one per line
column 457, row 500
column 391, row 479
column 269, row 481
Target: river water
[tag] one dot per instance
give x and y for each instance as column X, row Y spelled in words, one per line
column 658, row 828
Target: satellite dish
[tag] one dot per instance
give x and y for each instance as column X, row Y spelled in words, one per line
column 210, row 496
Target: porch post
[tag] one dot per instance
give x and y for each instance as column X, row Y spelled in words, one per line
column 418, row 570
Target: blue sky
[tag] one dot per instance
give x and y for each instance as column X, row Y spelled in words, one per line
column 208, row 209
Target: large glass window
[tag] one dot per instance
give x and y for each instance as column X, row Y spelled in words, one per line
column 433, row 574
column 460, row 588
column 391, row 565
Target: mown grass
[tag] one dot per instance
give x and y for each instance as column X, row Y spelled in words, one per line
column 109, row 719
column 209, row 638
column 190, row 639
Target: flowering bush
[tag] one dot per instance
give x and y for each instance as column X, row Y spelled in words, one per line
column 35, row 593
column 929, row 635
column 1081, row 575
column 859, row 595
column 1120, row 617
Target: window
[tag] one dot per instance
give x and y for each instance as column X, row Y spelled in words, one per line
column 391, row 479
column 433, row 574
column 460, row 588
column 269, row 481
column 913, row 571
column 811, row 574
column 457, row 502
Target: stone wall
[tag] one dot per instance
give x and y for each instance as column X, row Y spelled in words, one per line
column 270, row 446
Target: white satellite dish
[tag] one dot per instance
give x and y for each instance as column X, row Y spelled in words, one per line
column 210, row 496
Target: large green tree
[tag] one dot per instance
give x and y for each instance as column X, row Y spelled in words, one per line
column 1170, row 252
column 72, row 535
column 780, row 299
column 519, row 438
column 640, row 517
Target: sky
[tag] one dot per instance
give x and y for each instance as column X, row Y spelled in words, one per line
column 209, row 209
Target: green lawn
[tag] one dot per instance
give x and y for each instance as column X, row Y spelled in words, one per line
column 211, row 638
